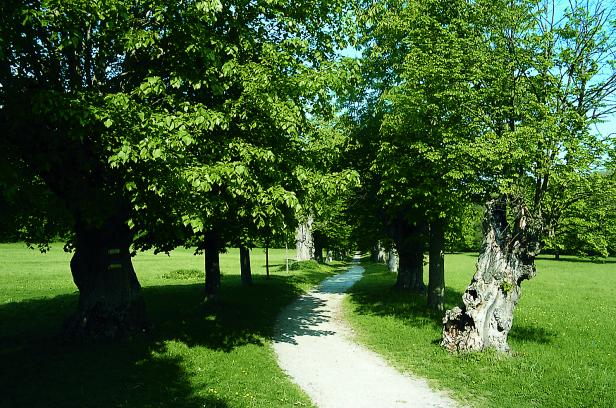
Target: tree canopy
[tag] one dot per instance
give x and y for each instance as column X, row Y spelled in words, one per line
column 131, row 126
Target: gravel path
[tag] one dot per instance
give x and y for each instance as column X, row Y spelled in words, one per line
column 315, row 349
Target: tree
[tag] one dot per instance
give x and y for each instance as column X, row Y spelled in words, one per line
column 420, row 60
column 151, row 119
column 550, row 80
column 579, row 218
column 326, row 184
column 58, row 61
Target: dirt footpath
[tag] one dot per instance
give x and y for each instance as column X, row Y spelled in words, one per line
column 316, row 350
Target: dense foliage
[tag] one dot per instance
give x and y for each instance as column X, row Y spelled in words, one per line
column 149, row 124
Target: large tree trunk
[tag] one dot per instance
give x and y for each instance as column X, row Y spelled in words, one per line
column 245, row 271
column 506, row 259
column 409, row 241
column 212, row 266
column 304, row 241
column 436, row 282
column 110, row 301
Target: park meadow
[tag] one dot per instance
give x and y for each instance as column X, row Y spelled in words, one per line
column 219, row 355
column 156, row 157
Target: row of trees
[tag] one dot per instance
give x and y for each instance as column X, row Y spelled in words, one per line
column 137, row 125
column 147, row 124
column 471, row 103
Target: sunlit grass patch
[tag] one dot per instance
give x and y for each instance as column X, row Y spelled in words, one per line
column 562, row 337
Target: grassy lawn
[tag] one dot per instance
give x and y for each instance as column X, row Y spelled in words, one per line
column 563, row 338
column 196, row 356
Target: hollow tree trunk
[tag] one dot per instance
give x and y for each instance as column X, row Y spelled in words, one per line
column 304, row 242
column 212, row 266
column 245, row 271
column 436, row 282
column 506, row 259
column 110, row 301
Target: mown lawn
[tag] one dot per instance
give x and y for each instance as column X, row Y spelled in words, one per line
column 196, row 355
column 563, row 339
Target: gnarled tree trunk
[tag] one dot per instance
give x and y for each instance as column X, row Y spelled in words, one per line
column 304, row 242
column 110, row 301
column 245, row 270
column 506, row 259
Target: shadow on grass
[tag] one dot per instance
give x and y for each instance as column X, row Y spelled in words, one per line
column 376, row 295
column 532, row 334
column 39, row 369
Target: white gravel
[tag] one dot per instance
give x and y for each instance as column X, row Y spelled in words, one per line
column 315, row 348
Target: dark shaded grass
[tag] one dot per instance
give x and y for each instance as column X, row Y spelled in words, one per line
column 197, row 355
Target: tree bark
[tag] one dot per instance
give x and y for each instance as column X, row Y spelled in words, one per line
column 245, row 270
column 318, row 247
column 304, row 241
column 212, row 266
column 436, row 282
column 110, row 301
column 506, row 259
column 409, row 241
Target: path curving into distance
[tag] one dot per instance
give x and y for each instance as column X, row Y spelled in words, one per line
column 315, row 349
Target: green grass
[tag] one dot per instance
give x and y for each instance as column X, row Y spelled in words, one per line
column 563, row 336
column 197, row 355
